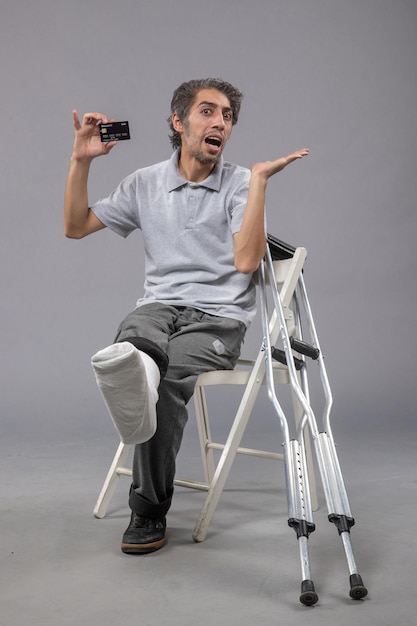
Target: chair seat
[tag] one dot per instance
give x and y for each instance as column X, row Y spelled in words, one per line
column 240, row 376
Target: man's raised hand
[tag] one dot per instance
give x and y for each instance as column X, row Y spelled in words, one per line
column 87, row 142
column 266, row 169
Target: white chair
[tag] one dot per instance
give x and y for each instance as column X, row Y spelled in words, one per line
column 251, row 376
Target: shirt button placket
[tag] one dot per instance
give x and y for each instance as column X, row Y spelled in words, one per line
column 191, row 205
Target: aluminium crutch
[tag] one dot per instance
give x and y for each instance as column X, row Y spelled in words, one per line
column 300, row 516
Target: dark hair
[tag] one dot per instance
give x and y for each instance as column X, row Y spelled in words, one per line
column 185, row 94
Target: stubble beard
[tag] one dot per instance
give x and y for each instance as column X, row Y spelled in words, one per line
column 199, row 155
column 204, row 159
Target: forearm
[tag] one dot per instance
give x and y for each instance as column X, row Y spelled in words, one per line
column 76, row 209
column 250, row 242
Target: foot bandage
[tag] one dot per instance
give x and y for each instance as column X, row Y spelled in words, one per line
column 128, row 380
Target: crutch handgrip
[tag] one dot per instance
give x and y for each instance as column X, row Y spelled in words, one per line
column 281, row 357
column 305, row 348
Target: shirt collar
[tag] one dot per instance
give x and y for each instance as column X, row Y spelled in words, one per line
column 175, row 181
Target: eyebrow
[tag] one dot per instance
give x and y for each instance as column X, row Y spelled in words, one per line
column 213, row 104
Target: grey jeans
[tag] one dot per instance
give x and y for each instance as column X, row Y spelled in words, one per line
column 194, row 342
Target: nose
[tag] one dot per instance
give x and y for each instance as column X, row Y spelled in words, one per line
column 218, row 120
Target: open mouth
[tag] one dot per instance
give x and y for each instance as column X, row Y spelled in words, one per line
column 213, row 141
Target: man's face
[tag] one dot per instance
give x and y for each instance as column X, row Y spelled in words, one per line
column 208, row 126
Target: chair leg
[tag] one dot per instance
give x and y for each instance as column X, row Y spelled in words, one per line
column 229, row 452
column 204, row 434
column 111, row 481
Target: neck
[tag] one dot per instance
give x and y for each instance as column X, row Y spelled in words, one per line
column 193, row 170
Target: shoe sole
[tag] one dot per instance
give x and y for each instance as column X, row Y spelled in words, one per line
column 142, row 548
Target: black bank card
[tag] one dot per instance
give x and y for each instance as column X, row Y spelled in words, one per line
column 114, row 131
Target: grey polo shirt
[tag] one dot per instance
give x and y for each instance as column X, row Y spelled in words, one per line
column 188, row 232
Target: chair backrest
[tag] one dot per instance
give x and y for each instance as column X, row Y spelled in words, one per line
column 286, row 273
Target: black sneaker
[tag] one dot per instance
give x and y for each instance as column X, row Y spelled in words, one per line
column 143, row 535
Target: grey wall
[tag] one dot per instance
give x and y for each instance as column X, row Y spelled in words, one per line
column 334, row 75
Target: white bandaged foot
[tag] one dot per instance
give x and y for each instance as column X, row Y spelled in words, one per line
column 128, row 380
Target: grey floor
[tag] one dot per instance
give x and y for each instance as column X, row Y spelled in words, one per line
column 60, row 566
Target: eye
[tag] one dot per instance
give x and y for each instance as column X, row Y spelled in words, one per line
column 228, row 116
column 206, row 111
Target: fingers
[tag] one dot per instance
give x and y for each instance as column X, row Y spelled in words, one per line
column 281, row 162
column 298, row 154
column 92, row 119
column 109, row 145
column 268, row 168
column 89, row 119
column 76, row 120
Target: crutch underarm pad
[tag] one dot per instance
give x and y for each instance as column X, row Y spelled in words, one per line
column 279, row 249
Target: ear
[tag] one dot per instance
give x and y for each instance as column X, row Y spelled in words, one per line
column 177, row 124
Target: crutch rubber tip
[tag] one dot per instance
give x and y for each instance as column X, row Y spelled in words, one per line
column 357, row 588
column 308, row 595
